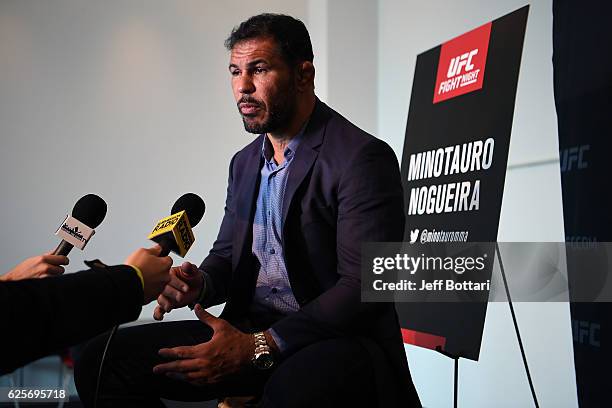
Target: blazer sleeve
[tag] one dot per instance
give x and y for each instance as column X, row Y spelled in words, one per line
column 41, row 316
column 370, row 209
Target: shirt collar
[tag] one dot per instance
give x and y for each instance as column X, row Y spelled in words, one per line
column 267, row 150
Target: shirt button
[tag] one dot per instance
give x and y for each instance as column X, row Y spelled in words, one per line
column 272, row 251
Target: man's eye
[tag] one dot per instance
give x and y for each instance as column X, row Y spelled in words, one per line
column 235, row 73
column 260, row 70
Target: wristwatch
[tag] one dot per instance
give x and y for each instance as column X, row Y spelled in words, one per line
column 262, row 359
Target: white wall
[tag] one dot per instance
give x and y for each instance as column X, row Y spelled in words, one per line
column 130, row 101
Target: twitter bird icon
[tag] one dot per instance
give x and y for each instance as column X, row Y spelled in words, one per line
column 414, row 235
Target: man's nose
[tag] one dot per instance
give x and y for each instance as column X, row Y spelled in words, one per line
column 245, row 84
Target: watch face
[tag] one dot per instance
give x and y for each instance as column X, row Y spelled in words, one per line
column 263, row 361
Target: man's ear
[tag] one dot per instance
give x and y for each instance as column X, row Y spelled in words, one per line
column 305, row 74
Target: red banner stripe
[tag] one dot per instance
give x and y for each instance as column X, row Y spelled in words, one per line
column 421, row 339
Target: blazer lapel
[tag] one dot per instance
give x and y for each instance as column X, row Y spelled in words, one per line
column 246, row 198
column 306, row 154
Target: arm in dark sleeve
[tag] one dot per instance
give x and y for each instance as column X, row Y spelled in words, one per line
column 217, row 266
column 370, row 209
column 41, row 316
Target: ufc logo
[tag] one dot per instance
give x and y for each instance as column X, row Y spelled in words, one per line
column 573, row 158
column 460, row 70
column 586, row 333
column 462, row 61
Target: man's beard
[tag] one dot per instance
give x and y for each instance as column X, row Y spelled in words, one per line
column 280, row 112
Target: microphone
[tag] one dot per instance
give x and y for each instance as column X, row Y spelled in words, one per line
column 76, row 230
column 174, row 233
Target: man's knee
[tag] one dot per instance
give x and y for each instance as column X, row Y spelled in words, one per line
column 286, row 389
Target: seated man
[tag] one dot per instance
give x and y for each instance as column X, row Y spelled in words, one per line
column 301, row 199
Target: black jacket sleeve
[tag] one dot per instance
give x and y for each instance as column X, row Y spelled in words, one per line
column 41, row 316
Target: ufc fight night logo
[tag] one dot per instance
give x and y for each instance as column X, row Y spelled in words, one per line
column 462, row 63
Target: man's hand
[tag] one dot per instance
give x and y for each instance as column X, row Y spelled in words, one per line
column 154, row 270
column 37, row 267
column 183, row 289
column 227, row 353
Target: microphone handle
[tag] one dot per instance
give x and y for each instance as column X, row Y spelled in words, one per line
column 63, row 248
column 166, row 245
column 165, row 251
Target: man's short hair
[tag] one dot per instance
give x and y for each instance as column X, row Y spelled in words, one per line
column 289, row 33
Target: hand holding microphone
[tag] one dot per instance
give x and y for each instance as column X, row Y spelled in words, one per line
column 37, row 267
column 154, row 269
column 76, row 230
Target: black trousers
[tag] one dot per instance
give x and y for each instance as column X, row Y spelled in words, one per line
column 330, row 373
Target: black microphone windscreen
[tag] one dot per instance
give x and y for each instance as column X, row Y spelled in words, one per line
column 90, row 210
column 193, row 205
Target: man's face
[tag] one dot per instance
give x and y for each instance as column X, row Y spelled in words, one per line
column 263, row 85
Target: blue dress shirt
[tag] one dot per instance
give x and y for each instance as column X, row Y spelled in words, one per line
column 272, row 290
column 273, row 293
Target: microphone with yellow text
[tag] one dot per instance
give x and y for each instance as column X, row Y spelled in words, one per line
column 77, row 229
column 174, row 233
